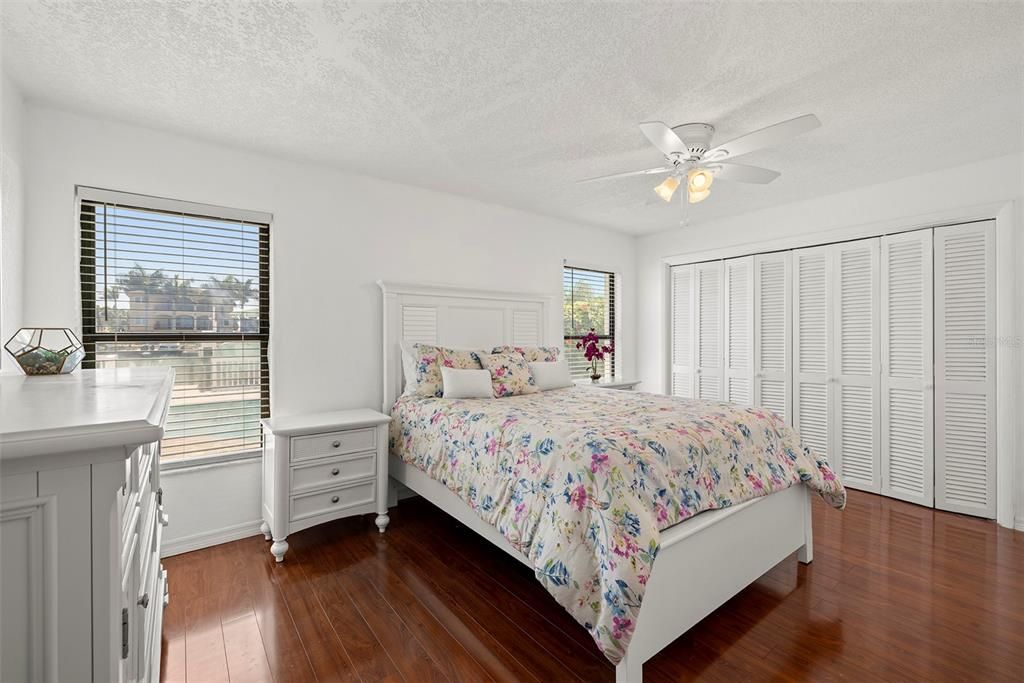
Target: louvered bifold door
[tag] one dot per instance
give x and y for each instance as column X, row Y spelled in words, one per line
column 683, row 330
column 811, row 338
column 708, row 281
column 964, row 369
column 907, row 433
column 772, row 329
column 855, row 366
column 738, row 329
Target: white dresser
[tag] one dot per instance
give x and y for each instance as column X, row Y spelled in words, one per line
column 321, row 467
column 82, row 590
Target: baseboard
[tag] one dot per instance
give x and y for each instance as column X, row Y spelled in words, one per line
column 1019, row 524
column 209, row 538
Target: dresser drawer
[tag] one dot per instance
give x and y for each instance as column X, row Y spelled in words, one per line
column 332, row 500
column 334, row 443
column 333, row 471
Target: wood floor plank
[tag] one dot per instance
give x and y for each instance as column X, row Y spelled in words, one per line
column 205, row 657
column 172, row 659
column 247, row 659
column 896, row 592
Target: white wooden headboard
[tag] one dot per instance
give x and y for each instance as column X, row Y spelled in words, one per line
column 458, row 318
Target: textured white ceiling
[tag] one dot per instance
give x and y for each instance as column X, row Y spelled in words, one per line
column 511, row 103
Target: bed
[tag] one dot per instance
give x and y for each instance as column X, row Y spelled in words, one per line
column 597, row 491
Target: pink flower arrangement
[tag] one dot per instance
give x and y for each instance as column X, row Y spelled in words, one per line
column 593, row 350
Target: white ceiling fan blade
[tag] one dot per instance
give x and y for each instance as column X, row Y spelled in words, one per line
column 646, row 171
column 745, row 174
column 664, row 138
column 766, row 137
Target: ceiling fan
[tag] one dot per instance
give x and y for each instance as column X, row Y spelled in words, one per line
column 689, row 154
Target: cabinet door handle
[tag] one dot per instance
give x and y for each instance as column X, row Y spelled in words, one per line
column 334, row 499
column 144, row 600
column 335, row 472
column 336, row 444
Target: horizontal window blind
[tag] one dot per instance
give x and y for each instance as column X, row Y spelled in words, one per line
column 588, row 299
column 179, row 289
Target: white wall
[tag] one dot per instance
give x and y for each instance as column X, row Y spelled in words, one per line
column 12, row 224
column 334, row 235
column 913, row 200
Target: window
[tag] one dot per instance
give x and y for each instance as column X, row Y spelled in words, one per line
column 588, row 300
column 182, row 285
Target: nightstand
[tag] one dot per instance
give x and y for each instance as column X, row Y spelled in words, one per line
column 609, row 383
column 321, row 467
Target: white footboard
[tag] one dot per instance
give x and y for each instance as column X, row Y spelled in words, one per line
column 705, row 561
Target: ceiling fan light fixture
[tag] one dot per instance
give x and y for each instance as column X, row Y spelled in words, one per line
column 699, row 180
column 667, row 188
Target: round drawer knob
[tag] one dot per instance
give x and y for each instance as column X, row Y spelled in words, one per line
column 335, row 472
column 336, row 444
column 144, row 600
column 334, row 499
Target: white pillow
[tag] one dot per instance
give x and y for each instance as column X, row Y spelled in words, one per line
column 549, row 376
column 466, row 383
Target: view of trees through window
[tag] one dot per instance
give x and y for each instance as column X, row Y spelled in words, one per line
column 189, row 292
column 588, row 301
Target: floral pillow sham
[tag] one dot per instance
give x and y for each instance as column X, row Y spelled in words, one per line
column 422, row 365
column 532, row 354
column 510, row 374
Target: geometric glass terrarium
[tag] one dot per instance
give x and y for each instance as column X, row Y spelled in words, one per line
column 46, row 350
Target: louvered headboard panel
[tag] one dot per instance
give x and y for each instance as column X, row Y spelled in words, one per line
column 458, row 318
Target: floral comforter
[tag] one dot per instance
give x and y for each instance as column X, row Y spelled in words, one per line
column 583, row 480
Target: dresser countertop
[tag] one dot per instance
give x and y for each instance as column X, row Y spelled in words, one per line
column 315, row 423
column 83, row 411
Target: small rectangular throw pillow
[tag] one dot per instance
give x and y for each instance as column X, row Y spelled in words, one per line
column 510, row 375
column 466, row 383
column 532, row 354
column 549, row 376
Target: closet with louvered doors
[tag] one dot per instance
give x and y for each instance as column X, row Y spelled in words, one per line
column 880, row 351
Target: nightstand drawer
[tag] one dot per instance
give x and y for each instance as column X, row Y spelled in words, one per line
column 335, row 443
column 332, row 500
column 333, row 471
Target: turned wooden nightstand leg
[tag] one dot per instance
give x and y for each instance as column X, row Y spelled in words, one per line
column 382, row 522
column 265, row 529
column 278, row 549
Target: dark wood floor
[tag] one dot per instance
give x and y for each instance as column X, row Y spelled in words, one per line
column 896, row 592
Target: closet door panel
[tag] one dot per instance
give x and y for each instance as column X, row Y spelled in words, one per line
column 709, row 351
column 811, row 341
column 772, row 333
column 854, row 363
column 738, row 329
column 907, row 431
column 964, row 368
column 683, row 330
